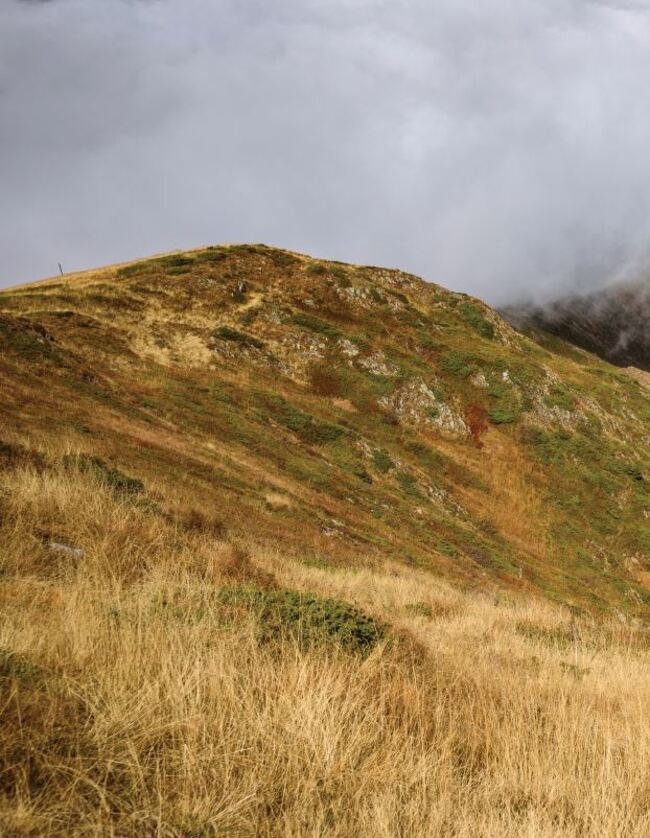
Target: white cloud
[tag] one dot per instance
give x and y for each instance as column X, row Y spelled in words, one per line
column 499, row 148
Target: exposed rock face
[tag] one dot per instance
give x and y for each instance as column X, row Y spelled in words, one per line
column 613, row 323
column 417, row 404
column 378, row 365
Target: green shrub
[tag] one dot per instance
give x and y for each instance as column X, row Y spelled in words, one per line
column 249, row 316
column 427, row 457
column 549, row 447
column 560, row 636
column 399, row 296
column 560, row 397
column 408, row 483
column 382, row 462
column 226, row 333
column 472, row 315
column 177, row 261
column 502, row 415
column 459, row 363
column 313, row 324
column 14, row 456
column 281, row 259
column 17, row 667
column 309, row 429
column 633, row 470
column 28, row 339
column 212, row 255
column 319, row 433
column 309, row 619
column 134, row 269
column 342, row 277
column 316, row 269
column 326, row 380
column 363, row 475
column 113, row 478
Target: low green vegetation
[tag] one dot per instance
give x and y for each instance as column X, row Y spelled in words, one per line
column 459, row 363
column 382, row 461
column 309, row 619
column 113, row 478
column 502, row 416
column 314, row 324
column 309, row 429
column 234, row 336
column 472, row 314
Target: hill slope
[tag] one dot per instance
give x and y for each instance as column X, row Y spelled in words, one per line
column 345, row 415
column 230, row 483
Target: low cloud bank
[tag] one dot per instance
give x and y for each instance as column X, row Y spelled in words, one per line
column 498, row 148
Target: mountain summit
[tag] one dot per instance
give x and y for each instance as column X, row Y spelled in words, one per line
column 343, row 413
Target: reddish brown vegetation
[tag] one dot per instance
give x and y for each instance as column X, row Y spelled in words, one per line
column 477, row 420
column 325, row 381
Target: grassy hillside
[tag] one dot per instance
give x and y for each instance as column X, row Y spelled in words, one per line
column 296, row 548
column 157, row 680
column 347, row 415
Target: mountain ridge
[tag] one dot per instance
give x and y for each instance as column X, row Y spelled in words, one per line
column 613, row 322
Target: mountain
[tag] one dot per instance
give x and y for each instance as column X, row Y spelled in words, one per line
column 344, row 414
column 613, row 323
column 293, row 547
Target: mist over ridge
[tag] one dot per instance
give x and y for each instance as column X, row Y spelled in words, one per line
column 499, row 150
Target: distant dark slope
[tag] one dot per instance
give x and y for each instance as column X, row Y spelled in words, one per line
column 613, row 323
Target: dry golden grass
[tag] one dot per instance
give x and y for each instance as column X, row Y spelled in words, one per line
column 131, row 707
column 513, row 504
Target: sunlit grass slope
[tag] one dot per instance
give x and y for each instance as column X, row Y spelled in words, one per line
column 156, row 679
column 351, row 415
column 290, row 547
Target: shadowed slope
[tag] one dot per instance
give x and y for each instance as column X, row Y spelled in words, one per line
column 613, row 323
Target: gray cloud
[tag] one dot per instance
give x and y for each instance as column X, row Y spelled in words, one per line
column 498, row 147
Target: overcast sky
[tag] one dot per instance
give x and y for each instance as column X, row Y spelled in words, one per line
column 500, row 147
